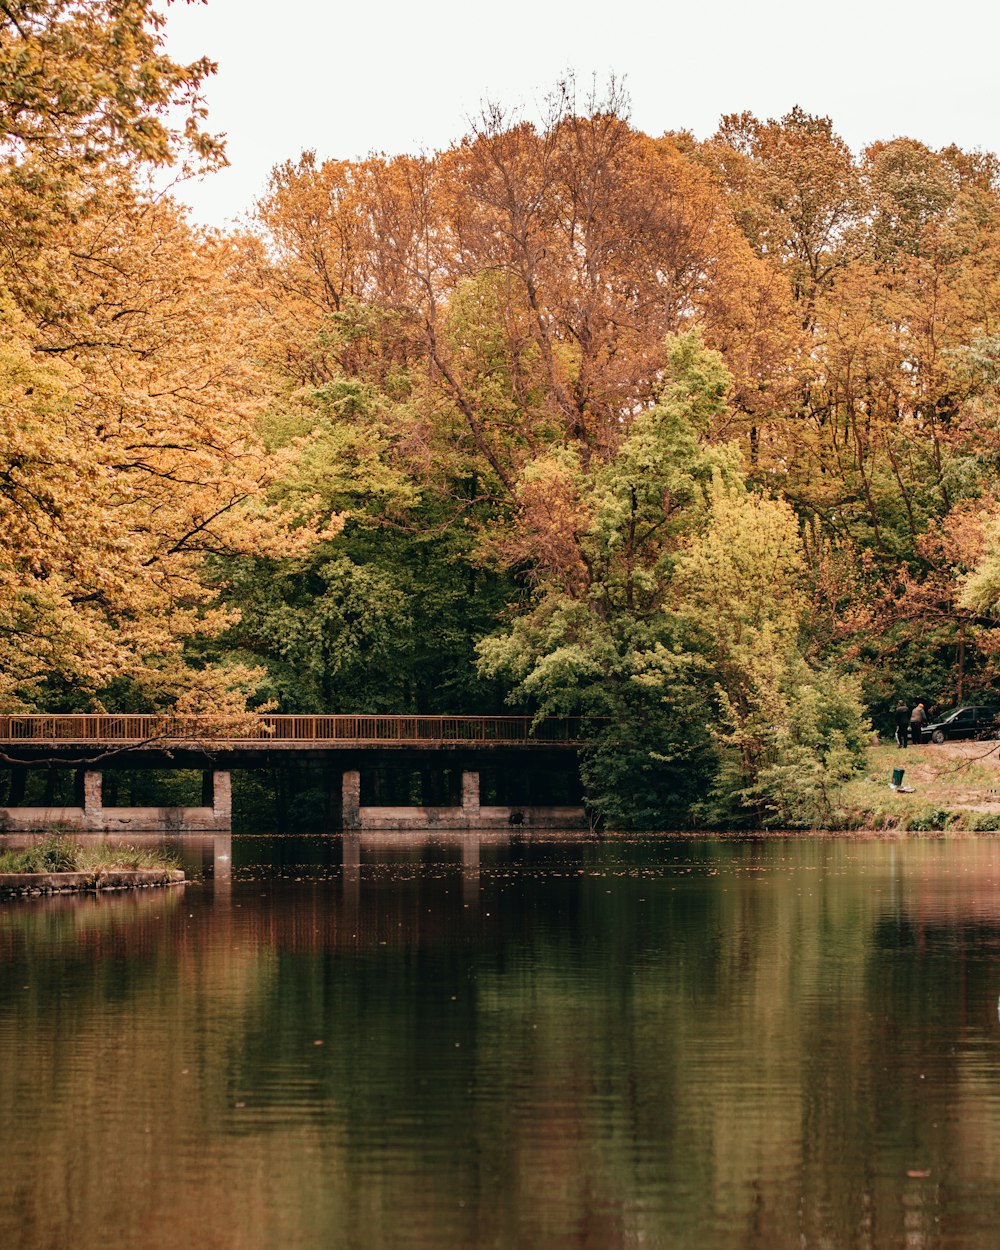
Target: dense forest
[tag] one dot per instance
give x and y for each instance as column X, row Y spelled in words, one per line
column 699, row 438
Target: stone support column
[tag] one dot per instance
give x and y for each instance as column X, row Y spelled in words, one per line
column 350, row 799
column 93, row 803
column 222, row 796
column 470, row 795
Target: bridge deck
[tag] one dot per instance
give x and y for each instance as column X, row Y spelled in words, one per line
column 156, row 731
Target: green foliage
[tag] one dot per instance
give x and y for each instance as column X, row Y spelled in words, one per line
column 647, row 768
column 791, row 732
column 384, row 622
column 327, row 627
column 786, row 768
column 650, row 745
column 54, row 854
column 686, row 638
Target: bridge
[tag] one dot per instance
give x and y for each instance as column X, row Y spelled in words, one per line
column 348, row 747
column 145, row 731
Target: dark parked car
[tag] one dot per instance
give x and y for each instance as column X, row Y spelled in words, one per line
column 972, row 721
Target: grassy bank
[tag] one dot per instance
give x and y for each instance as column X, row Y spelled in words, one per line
column 955, row 788
column 59, row 854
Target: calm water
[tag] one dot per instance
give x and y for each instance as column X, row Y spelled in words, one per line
column 577, row 1043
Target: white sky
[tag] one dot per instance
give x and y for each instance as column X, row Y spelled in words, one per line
column 405, row 75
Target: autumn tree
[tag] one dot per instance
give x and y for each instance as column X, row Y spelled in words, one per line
column 797, row 193
column 86, row 92
column 885, row 432
column 489, row 315
column 132, row 454
column 131, row 449
column 528, row 274
column 86, row 83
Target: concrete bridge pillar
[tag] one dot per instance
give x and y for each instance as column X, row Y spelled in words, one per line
column 93, row 790
column 470, row 795
column 222, row 796
column 350, row 802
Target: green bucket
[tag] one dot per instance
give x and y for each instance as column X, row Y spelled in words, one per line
column 897, row 777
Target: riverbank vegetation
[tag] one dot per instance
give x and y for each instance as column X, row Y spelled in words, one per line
column 697, row 436
column 954, row 788
column 60, row 854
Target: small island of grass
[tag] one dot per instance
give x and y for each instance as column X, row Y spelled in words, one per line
column 60, row 865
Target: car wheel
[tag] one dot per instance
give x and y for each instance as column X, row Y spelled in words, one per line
column 937, row 736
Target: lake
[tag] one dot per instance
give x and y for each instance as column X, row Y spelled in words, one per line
column 510, row 1042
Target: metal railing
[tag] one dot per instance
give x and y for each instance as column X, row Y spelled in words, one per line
column 362, row 730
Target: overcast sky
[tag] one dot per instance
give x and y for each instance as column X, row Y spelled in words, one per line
column 398, row 76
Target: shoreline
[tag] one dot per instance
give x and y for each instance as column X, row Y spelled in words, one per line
column 19, row 884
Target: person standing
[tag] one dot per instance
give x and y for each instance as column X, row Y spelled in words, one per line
column 902, row 724
column 918, row 719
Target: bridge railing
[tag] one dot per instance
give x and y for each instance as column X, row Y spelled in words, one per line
column 151, row 729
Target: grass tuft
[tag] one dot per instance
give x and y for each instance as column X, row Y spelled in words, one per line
column 59, row 854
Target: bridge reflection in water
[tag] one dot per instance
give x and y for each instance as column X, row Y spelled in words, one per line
column 337, row 861
column 358, row 753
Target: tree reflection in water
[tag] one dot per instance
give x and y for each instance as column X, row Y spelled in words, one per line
column 510, row 1042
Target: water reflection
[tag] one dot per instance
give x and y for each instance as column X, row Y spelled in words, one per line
column 510, row 1042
